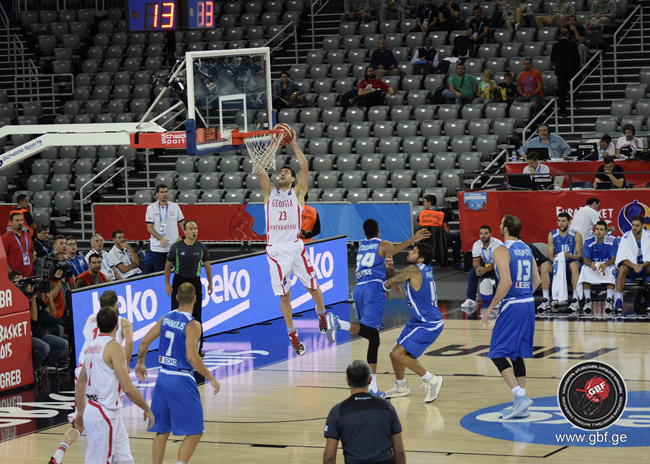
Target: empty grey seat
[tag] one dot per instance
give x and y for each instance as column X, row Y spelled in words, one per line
column 487, row 51
column 445, row 160
column 462, row 143
column 384, row 194
column 378, row 113
column 504, row 128
column 620, row 108
column 329, row 179
column 403, row 179
column 377, row 179
column 372, row 162
column 389, row 145
column 452, row 180
column 366, row 145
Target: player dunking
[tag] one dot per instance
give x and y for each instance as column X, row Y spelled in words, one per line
column 285, row 251
column 124, row 333
column 374, row 262
column 176, row 401
column 512, row 337
column 102, row 381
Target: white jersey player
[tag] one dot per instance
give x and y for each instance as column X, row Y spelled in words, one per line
column 285, row 251
column 124, row 334
column 102, row 381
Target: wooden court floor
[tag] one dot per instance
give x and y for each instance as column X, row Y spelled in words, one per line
column 276, row 414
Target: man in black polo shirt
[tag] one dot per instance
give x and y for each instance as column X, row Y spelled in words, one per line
column 479, row 28
column 188, row 255
column 367, row 426
column 427, row 18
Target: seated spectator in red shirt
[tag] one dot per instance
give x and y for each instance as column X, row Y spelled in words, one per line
column 92, row 276
column 531, row 86
column 19, row 247
column 368, row 93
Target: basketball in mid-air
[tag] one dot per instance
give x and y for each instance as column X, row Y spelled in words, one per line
column 287, row 134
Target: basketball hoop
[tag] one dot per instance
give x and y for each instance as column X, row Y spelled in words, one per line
column 261, row 146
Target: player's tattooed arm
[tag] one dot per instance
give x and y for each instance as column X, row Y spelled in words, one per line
column 401, row 276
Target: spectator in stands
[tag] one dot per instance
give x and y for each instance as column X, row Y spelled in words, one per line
column 42, row 244
column 368, row 93
column 556, row 145
column 534, row 166
column 479, row 28
column 603, row 13
column 511, row 89
column 558, row 14
column 22, row 207
column 486, row 88
column 449, row 16
column 461, row 87
column 567, row 63
column 578, row 35
column 627, row 146
column 357, row 10
column 123, row 257
column 394, row 9
column 482, row 263
column 383, row 61
column 163, row 218
column 530, row 86
column 97, row 243
column 426, row 16
column 93, row 275
column 425, row 58
column 609, row 175
column 283, row 90
column 514, row 12
column 47, row 345
column 19, row 247
column 77, row 262
column 632, row 257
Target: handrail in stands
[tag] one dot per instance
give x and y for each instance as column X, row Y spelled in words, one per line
column 503, row 153
column 530, row 124
column 294, row 34
column 313, row 17
column 33, row 80
column 639, row 19
column 82, row 199
column 598, row 54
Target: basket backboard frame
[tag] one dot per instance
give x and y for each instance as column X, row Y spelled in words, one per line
column 218, row 137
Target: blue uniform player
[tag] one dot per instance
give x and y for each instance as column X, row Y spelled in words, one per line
column 176, row 399
column 374, row 260
column 632, row 257
column 512, row 337
column 570, row 242
column 598, row 258
column 422, row 329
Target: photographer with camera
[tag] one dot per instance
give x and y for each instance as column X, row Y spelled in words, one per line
column 19, row 247
column 47, row 346
column 56, row 269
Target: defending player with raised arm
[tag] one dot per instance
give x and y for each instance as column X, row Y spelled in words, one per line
column 285, row 250
column 374, row 263
column 102, row 381
column 124, row 334
column 424, row 327
column 176, row 400
column 514, row 330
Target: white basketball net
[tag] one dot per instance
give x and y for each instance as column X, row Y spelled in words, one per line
column 262, row 150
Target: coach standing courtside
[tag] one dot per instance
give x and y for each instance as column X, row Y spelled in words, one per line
column 188, row 255
column 162, row 218
column 367, row 426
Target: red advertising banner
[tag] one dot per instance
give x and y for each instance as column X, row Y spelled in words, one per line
column 15, row 350
column 538, row 210
column 638, row 180
column 216, row 223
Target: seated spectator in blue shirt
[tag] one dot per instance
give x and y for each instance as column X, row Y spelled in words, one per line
column 557, row 146
column 383, row 61
column 77, row 262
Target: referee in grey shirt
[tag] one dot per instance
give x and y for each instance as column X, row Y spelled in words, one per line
column 367, row 426
column 188, row 255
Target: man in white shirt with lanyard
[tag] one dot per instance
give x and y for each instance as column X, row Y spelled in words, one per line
column 97, row 243
column 163, row 218
column 482, row 265
column 586, row 218
column 123, row 257
column 534, row 166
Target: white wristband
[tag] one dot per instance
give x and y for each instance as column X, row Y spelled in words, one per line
column 384, row 286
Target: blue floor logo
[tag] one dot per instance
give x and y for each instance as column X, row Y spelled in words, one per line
column 547, row 426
